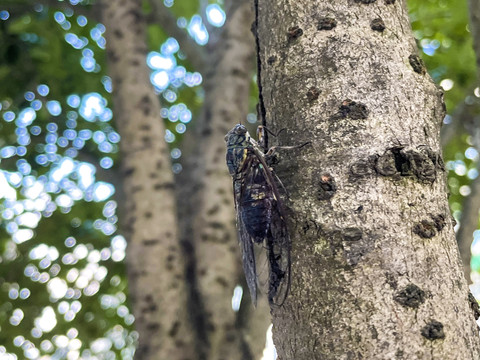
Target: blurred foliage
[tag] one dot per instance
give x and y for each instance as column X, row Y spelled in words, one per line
column 60, row 248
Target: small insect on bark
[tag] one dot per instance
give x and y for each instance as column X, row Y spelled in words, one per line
column 260, row 214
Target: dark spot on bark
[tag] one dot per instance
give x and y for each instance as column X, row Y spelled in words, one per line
column 326, row 23
column 113, row 57
column 377, row 24
column 433, row 330
column 145, row 127
column 391, row 280
column 148, row 214
column 216, row 225
column 137, row 188
column 151, row 242
column 221, row 281
column 153, row 175
column 352, row 234
column 137, row 17
column 326, row 187
column 161, row 186
column 411, row 296
column 271, row 60
column 425, row 229
column 128, row 171
column 439, row 221
column 168, row 235
column 474, row 305
column 417, row 64
column 373, row 331
column 174, row 329
column 213, row 210
column 352, row 109
column 153, row 326
column 359, row 209
column 311, row 226
column 146, row 140
column 118, row 34
column 421, row 163
column 238, row 72
column 389, row 2
column 312, row 94
column 294, row 32
column 365, row 1
column 399, row 354
column 206, row 132
column 170, row 258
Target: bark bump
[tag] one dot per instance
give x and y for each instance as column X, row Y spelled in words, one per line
column 410, row 296
column 425, row 229
column 377, row 24
column 417, row 64
column 352, row 109
column 294, row 32
column 312, row 94
column 433, row 331
column 474, row 305
column 326, row 187
column 326, row 23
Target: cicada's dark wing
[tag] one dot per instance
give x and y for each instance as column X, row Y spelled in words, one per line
column 248, row 260
column 253, row 202
column 278, row 250
column 277, row 240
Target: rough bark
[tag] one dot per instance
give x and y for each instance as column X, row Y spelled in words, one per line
column 155, row 267
column 376, row 272
column 209, row 216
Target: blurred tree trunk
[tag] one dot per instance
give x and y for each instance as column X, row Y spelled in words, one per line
column 207, row 210
column 154, row 261
column 376, row 269
column 471, row 205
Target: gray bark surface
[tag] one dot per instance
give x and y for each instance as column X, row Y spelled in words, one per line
column 209, row 216
column 154, row 262
column 376, row 272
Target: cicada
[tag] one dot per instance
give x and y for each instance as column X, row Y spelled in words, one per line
column 260, row 213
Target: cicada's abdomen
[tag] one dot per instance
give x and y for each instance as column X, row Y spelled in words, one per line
column 256, row 202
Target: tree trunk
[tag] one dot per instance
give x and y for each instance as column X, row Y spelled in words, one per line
column 155, row 267
column 209, row 215
column 376, row 272
column 471, row 205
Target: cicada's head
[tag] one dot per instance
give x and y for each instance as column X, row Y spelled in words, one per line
column 238, row 136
